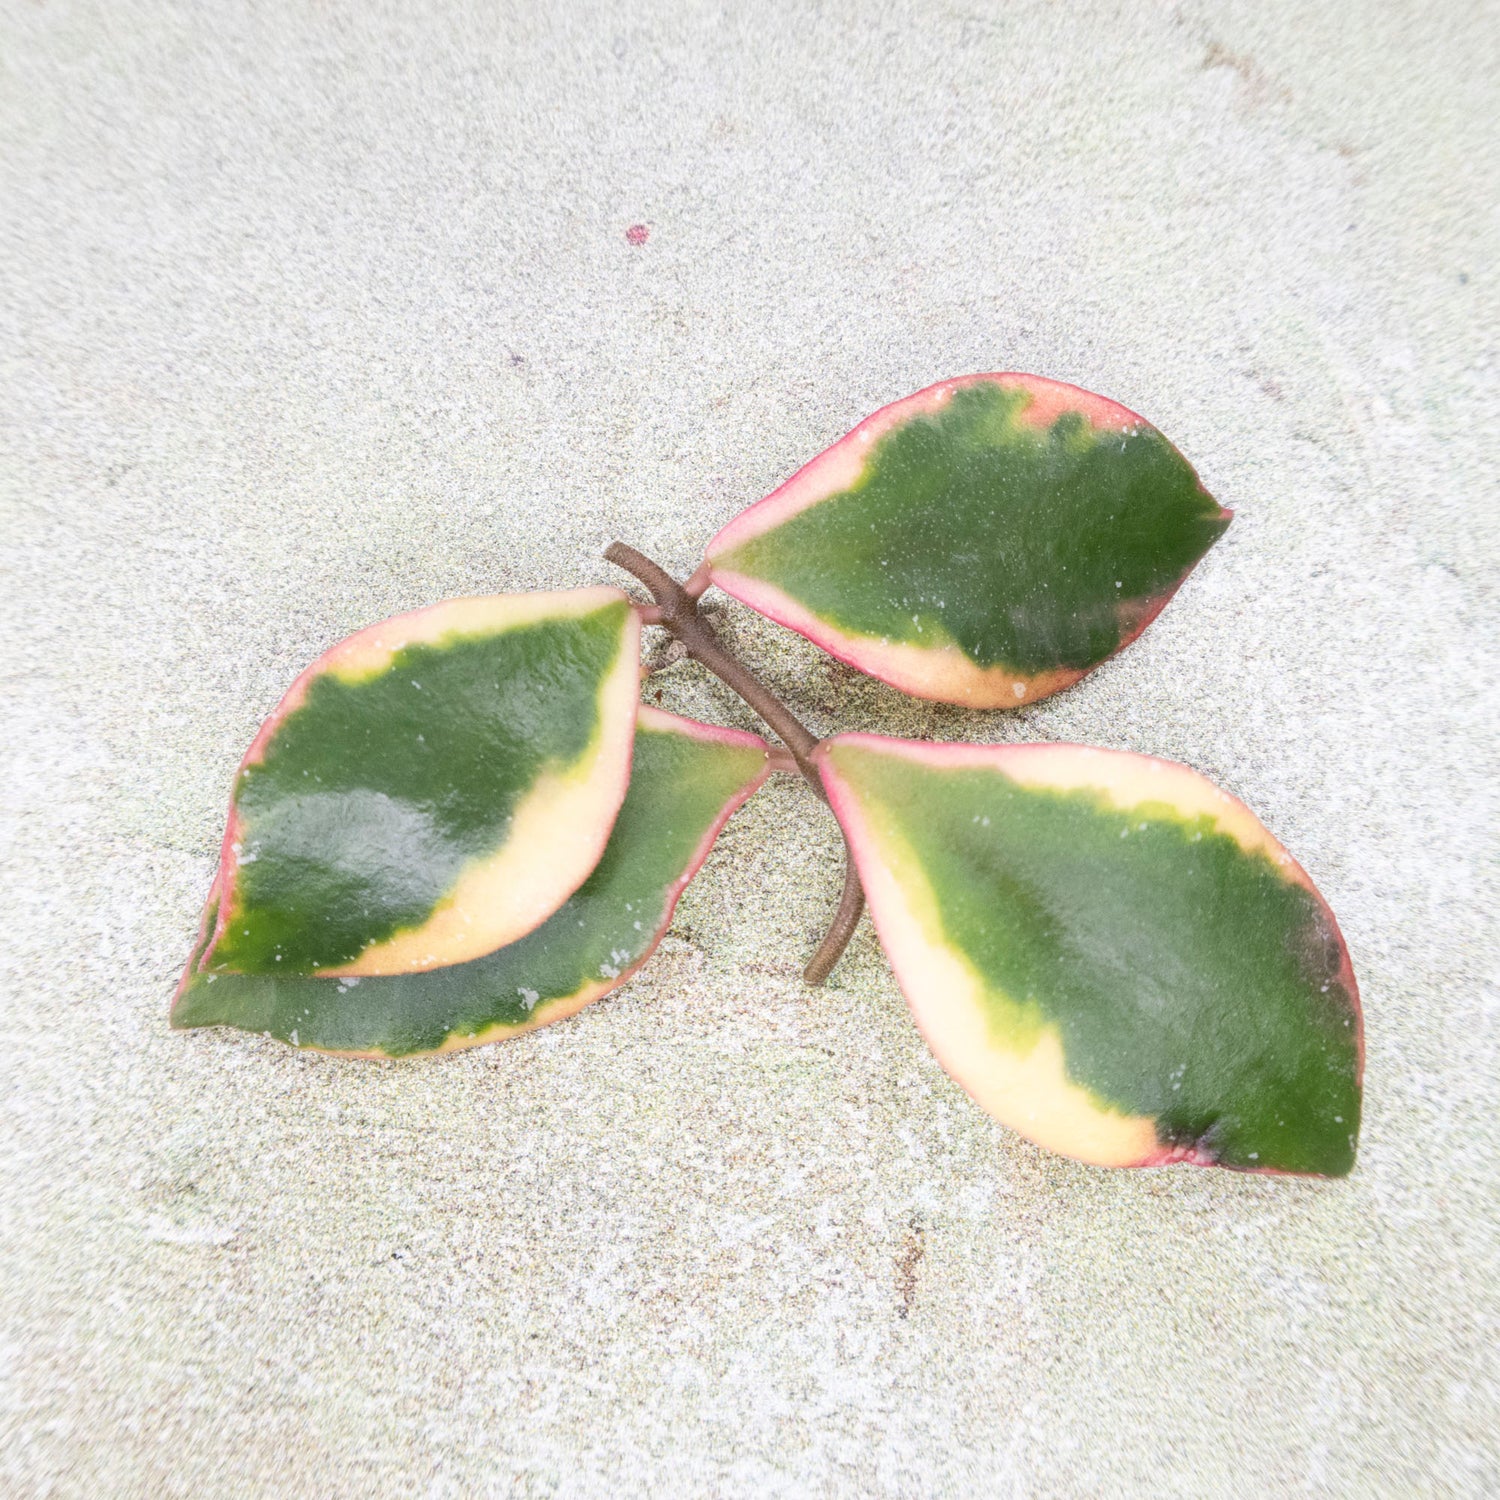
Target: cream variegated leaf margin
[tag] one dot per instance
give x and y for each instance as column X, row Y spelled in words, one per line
column 430, row 789
column 1112, row 955
column 987, row 541
column 688, row 779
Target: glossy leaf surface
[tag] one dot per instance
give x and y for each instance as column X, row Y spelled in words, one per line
column 431, row 788
column 688, row 778
column 1110, row 954
column 987, row 541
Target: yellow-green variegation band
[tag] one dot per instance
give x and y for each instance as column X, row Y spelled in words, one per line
column 1110, row 954
column 687, row 780
column 986, row 541
column 430, row 789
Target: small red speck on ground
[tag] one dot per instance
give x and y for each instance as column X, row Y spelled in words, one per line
column 638, row 234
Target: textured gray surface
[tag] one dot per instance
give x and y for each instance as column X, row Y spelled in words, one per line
column 317, row 312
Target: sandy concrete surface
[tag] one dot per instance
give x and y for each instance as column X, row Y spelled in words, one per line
column 314, row 312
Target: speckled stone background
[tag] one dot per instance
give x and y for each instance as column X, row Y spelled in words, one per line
column 314, row 312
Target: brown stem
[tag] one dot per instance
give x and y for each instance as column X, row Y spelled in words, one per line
column 845, row 920
column 678, row 613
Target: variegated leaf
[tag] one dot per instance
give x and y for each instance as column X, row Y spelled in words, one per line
column 1113, row 956
column 687, row 780
column 430, row 789
column 987, row 541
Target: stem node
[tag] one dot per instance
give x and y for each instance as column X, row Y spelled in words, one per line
column 676, row 609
